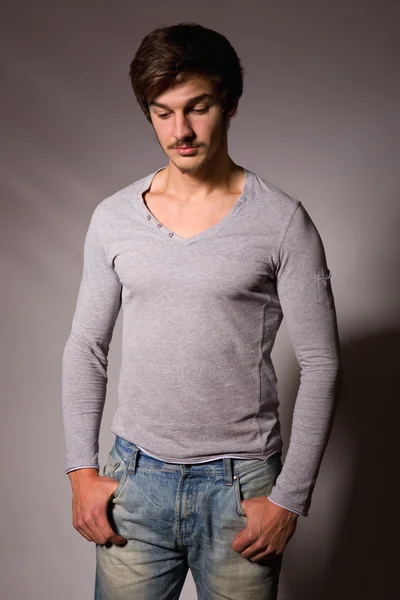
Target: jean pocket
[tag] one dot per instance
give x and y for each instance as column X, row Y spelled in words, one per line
column 116, row 467
column 257, row 481
column 324, row 287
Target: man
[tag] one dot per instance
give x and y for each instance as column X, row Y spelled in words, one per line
column 206, row 258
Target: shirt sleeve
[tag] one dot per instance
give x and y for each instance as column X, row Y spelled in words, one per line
column 305, row 292
column 84, row 361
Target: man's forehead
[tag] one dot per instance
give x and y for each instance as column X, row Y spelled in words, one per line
column 191, row 90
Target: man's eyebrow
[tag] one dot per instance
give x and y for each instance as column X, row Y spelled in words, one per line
column 188, row 103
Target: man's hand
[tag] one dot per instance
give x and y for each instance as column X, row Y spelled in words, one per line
column 269, row 528
column 91, row 494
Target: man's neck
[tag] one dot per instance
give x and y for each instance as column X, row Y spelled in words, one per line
column 202, row 184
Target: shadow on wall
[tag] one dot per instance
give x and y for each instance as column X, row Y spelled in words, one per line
column 363, row 561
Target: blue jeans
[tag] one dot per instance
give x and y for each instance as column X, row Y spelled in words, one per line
column 179, row 517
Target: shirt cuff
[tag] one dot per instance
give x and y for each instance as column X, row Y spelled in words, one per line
column 291, row 509
column 83, row 467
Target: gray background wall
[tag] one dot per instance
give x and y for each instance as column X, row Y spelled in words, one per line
column 319, row 118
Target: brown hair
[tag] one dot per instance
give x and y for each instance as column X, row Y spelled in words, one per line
column 169, row 54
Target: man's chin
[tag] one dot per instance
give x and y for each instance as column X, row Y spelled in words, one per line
column 192, row 169
column 189, row 170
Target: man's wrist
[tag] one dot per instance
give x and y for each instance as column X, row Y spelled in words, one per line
column 84, row 474
column 288, row 510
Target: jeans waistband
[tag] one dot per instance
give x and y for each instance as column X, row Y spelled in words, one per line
column 227, row 466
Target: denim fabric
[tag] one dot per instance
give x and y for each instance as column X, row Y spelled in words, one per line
column 178, row 517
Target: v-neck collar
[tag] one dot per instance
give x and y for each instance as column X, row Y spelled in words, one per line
column 163, row 230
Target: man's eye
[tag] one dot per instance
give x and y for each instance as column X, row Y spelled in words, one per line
column 198, row 111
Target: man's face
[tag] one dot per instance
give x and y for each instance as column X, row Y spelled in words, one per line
column 189, row 115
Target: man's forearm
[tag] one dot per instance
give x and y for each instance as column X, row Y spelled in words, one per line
column 311, row 427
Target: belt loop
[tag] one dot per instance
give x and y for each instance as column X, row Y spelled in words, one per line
column 133, row 460
column 228, row 471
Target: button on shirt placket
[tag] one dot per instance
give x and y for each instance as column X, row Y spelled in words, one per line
column 159, row 225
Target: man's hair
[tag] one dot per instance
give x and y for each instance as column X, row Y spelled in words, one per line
column 168, row 55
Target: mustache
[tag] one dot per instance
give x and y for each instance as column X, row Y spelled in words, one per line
column 186, row 146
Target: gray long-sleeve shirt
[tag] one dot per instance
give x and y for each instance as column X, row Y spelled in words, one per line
column 200, row 317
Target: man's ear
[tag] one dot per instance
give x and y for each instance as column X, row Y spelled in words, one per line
column 233, row 110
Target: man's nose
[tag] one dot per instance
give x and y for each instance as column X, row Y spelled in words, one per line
column 182, row 128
